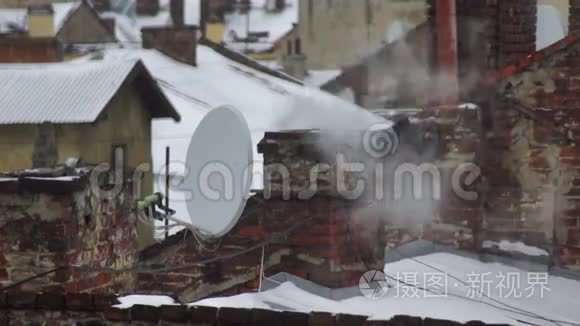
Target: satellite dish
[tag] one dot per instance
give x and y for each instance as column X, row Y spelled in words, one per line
column 219, row 163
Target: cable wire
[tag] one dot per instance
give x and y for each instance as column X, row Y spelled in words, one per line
column 477, row 290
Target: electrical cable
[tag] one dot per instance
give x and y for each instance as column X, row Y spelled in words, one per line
column 32, row 278
column 477, row 290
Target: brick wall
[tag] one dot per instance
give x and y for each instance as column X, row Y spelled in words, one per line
column 24, row 49
column 179, row 43
column 51, row 224
column 541, row 149
column 574, row 19
column 493, row 33
column 79, row 309
column 330, row 243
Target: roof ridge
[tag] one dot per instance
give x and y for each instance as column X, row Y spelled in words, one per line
column 523, row 63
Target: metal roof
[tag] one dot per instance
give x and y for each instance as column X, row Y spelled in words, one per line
column 65, row 93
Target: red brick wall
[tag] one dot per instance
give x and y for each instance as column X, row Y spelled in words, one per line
column 331, row 243
column 179, row 43
column 24, row 49
column 43, row 231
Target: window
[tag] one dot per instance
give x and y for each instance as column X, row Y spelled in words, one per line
column 119, row 163
column 289, row 47
column 298, row 46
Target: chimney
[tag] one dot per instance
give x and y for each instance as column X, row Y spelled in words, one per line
column 517, row 20
column 343, row 241
column 179, row 43
column 447, row 61
column 204, row 17
column 26, row 49
column 275, row 5
column 110, row 23
column 147, row 7
column 574, row 18
column 101, row 5
column 40, row 21
column 176, row 9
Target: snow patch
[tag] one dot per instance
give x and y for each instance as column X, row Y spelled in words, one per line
column 518, row 247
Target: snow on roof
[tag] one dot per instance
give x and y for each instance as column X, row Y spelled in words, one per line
column 18, row 17
column 62, row 11
column 59, row 93
column 12, row 19
column 149, row 300
column 128, row 24
column 515, row 247
column 519, row 299
column 267, row 103
column 551, row 27
column 191, row 12
column 319, row 78
column 277, row 24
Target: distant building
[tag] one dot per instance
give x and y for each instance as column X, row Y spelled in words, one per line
column 339, row 33
column 69, row 22
column 87, row 111
column 260, row 28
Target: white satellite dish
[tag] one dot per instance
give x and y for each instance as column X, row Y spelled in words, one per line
column 219, row 163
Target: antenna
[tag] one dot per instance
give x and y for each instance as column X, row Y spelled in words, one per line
column 219, row 171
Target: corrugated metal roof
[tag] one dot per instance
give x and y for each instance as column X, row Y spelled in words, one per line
column 59, row 93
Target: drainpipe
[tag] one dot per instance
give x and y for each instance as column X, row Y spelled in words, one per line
column 446, row 27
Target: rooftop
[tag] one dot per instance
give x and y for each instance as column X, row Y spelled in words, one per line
column 65, row 93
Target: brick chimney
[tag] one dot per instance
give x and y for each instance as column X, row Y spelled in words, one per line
column 574, row 19
column 26, row 49
column 176, row 8
column 447, row 64
column 40, row 20
column 342, row 241
column 179, row 43
column 147, row 7
column 101, row 5
column 517, row 25
column 491, row 34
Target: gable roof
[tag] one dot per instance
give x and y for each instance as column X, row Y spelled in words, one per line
column 61, row 93
column 527, row 61
column 16, row 19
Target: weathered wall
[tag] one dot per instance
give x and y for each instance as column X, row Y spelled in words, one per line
column 325, row 240
column 43, row 231
column 336, row 34
column 84, row 27
column 397, row 75
column 23, row 49
column 543, row 151
column 125, row 121
column 41, row 25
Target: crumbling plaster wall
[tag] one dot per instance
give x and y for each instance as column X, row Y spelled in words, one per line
column 543, row 152
column 44, row 231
